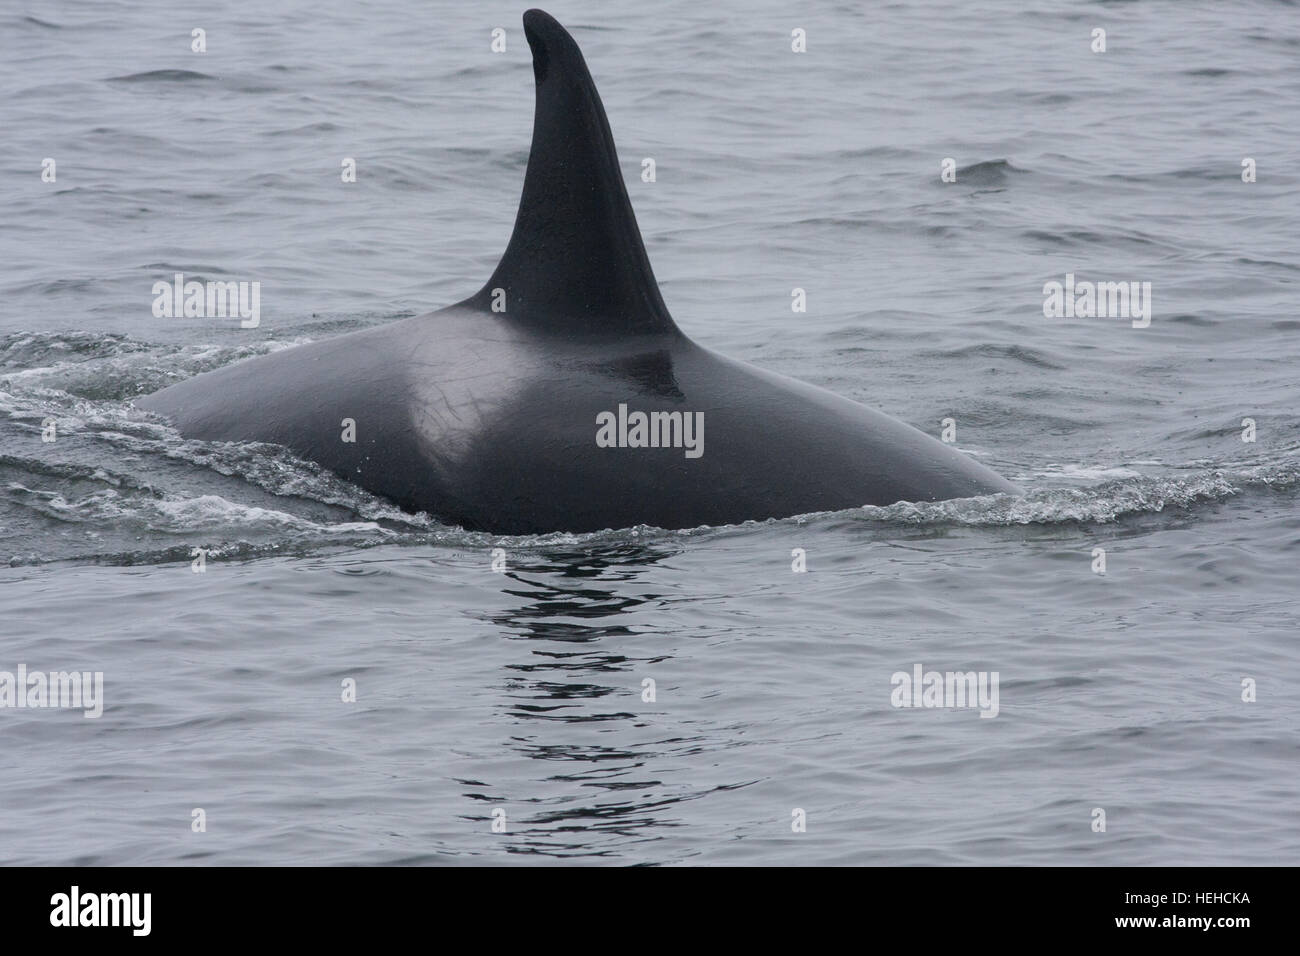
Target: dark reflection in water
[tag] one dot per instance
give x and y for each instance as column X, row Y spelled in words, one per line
column 577, row 584
column 588, row 794
column 566, row 592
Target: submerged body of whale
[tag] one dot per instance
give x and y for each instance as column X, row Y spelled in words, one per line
column 581, row 406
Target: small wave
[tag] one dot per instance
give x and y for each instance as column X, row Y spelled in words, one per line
column 1206, row 173
column 1016, row 353
column 310, row 128
column 55, row 369
column 991, row 172
column 163, row 76
column 1089, row 473
column 1105, row 503
column 177, row 515
column 1092, row 239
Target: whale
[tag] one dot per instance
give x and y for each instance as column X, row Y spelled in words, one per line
column 562, row 396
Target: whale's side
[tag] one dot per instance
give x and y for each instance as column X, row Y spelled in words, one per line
column 489, row 419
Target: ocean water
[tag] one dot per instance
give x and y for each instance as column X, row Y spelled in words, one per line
column 518, row 695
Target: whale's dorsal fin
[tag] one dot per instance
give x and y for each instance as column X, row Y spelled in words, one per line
column 575, row 262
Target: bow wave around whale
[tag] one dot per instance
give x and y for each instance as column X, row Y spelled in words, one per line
column 562, row 396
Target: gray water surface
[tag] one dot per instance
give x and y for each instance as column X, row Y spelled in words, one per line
column 522, row 690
